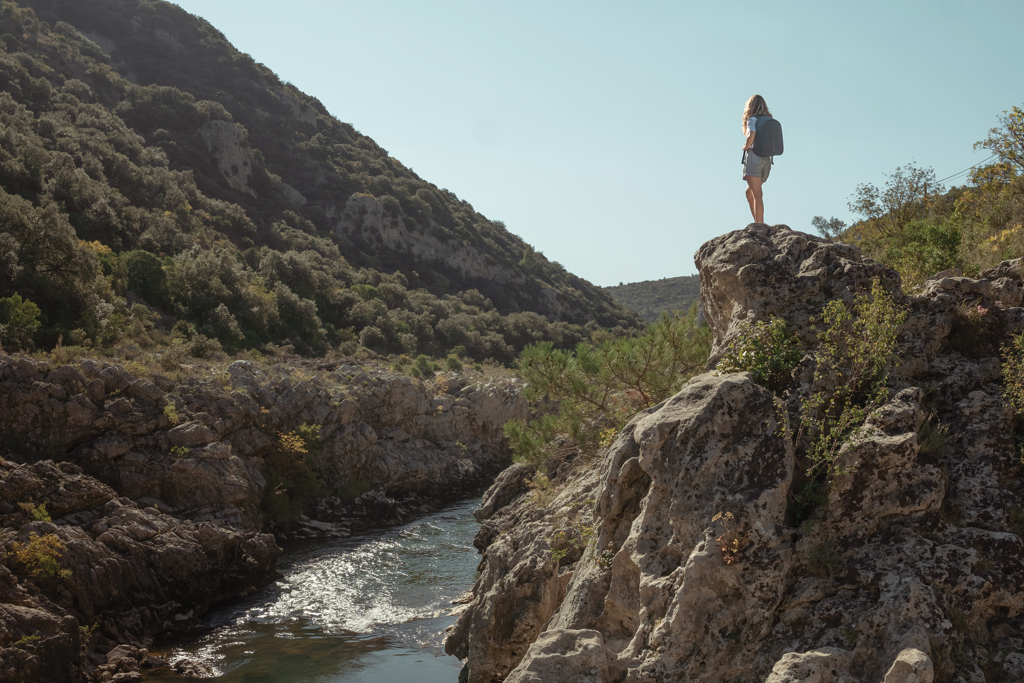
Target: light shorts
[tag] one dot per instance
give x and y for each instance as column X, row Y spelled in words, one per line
column 756, row 166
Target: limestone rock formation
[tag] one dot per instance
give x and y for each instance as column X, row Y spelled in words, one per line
column 365, row 214
column 364, row 218
column 129, row 571
column 226, row 142
column 753, row 274
column 149, row 491
column 685, row 560
column 196, row 448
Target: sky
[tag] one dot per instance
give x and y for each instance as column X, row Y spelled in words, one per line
column 607, row 134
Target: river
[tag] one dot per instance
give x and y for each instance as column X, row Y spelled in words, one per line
column 367, row 608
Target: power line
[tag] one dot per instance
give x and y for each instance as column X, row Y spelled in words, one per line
column 957, row 175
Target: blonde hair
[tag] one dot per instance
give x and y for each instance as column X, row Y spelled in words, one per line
column 756, row 106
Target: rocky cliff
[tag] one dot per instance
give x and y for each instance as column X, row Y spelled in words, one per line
column 677, row 556
column 195, row 447
column 152, row 490
column 127, row 572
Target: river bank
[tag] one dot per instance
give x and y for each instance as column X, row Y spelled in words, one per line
column 131, row 501
column 373, row 607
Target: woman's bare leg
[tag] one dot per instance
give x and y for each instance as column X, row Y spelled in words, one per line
column 755, row 198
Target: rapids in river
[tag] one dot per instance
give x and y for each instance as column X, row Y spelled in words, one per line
column 368, row 608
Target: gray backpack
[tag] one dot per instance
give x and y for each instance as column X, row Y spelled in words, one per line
column 767, row 137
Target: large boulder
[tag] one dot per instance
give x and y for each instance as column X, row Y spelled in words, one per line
column 661, row 572
column 762, row 271
column 909, row 568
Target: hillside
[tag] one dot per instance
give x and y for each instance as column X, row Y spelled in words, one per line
column 651, row 298
column 146, row 162
column 919, row 227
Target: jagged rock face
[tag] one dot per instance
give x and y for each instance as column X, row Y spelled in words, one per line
column 364, row 218
column 668, row 474
column 378, row 432
column 911, row 570
column 132, row 571
column 520, row 586
column 753, row 274
column 227, row 144
column 156, row 500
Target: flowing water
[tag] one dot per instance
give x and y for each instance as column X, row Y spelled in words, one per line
column 367, row 608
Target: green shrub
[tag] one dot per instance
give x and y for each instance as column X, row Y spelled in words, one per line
column 920, row 249
column 977, row 332
column 40, row 556
column 86, row 633
column 933, row 438
column 146, row 277
column 766, row 349
column 19, row 320
column 1013, row 373
column 28, row 642
column 569, row 543
column 453, row 363
column 38, row 513
column 529, row 441
column 171, row 412
column 372, row 338
column 595, row 388
column 291, row 476
column 855, row 348
column 173, row 356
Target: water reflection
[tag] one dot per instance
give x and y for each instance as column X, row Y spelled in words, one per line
column 372, row 608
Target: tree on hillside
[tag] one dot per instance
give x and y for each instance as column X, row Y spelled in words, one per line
column 829, row 228
column 905, row 198
column 1007, row 139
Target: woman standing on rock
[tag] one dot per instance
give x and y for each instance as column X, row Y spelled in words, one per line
column 755, row 168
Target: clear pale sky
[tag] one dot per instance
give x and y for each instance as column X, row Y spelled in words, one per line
column 607, row 134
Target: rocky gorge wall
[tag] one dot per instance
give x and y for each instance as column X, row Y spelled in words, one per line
column 154, row 487
column 688, row 563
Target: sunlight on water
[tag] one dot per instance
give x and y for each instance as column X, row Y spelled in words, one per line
column 372, row 608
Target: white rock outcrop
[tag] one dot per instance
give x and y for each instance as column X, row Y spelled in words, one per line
column 688, row 564
column 226, row 142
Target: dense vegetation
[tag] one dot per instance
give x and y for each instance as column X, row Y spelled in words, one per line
column 854, row 349
column 588, row 394
column 920, row 228
column 651, row 298
column 121, row 215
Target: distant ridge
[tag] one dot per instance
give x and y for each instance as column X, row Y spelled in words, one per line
column 651, row 298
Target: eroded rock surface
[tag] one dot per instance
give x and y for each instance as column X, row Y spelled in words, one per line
column 694, row 568
column 195, row 448
column 364, row 218
column 129, row 572
column 150, row 491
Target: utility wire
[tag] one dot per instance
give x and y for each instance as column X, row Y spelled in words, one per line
column 957, row 175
